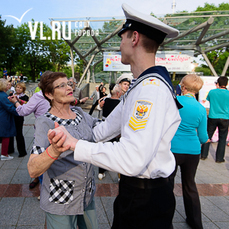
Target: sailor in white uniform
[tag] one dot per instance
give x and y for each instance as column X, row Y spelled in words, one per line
column 124, row 81
column 147, row 119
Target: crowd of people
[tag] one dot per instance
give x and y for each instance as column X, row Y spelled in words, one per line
column 13, row 79
column 144, row 133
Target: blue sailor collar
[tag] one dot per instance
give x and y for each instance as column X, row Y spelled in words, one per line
column 160, row 73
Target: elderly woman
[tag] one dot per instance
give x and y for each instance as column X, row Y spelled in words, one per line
column 186, row 146
column 7, row 113
column 68, row 187
column 22, row 98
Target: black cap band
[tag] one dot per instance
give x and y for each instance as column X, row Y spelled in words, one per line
column 125, row 80
column 149, row 31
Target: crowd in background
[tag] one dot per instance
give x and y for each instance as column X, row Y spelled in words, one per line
column 194, row 129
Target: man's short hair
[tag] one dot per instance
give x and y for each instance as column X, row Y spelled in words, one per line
column 222, row 81
column 116, row 89
column 150, row 45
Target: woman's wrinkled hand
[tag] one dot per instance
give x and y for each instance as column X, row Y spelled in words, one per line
column 13, row 98
column 60, row 138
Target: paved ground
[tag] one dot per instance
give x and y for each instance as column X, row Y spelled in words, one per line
column 19, row 206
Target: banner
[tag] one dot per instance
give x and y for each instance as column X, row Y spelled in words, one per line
column 112, row 62
column 176, row 61
column 209, row 84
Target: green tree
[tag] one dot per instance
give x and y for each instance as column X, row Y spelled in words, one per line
column 216, row 57
column 8, row 53
column 59, row 51
column 34, row 53
column 205, row 69
column 213, row 7
column 221, row 23
column 38, row 54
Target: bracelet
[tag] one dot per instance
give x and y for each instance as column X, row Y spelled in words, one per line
column 76, row 101
column 16, row 102
column 54, row 158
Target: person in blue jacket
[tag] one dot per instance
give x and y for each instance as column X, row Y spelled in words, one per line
column 186, row 146
column 178, row 89
column 7, row 113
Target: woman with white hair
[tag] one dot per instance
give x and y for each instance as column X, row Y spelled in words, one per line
column 186, row 146
column 7, row 113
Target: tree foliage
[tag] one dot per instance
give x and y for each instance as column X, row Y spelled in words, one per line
column 34, row 54
column 8, row 53
column 221, row 23
column 216, row 57
column 19, row 53
column 213, row 7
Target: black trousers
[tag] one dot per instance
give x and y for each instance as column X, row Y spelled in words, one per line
column 93, row 107
column 101, row 170
column 188, row 164
column 136, row 208
column 19, row 137
column 222, row 125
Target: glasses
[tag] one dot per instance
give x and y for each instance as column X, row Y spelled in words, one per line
column 64, row 85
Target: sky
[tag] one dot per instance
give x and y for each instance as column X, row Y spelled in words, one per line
column 42, row 10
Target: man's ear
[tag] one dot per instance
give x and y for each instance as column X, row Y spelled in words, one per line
column 49, row 95
column 135, row 38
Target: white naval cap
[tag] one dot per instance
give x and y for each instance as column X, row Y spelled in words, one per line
column 147, row 25
column 125, row 77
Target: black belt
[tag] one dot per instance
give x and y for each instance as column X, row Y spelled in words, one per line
column 143, row 183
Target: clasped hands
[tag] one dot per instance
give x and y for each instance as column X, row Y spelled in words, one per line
column 60, row 139
column 13, row 98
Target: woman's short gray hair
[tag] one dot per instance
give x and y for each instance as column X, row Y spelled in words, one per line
column 117, row 88
column 3, row 84
column 74, row 79
column 192, row 83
